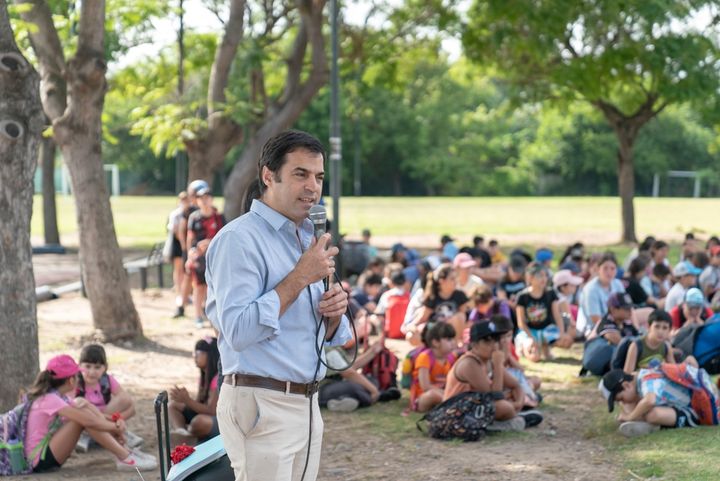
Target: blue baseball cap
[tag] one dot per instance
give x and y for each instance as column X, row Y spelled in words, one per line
column 543, row 255
column 694, row 298
column 686, row 268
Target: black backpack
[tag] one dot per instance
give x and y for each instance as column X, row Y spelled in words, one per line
column 465, row 416
column 620, row 354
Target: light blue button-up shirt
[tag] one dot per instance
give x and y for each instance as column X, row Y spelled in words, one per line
column 245, row 261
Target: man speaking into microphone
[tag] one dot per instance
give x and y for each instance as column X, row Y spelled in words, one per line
column 266, row 298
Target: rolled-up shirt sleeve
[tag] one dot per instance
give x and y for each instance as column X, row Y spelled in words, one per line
column 236, row 304
column 342, row 334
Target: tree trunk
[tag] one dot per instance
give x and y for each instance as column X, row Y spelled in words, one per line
column 626, row 186
column 47, row 159
column 78, row 133
column 21, row 124
column 242, row 176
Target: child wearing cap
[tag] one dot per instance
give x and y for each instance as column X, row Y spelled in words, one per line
column 691, row 312
column 538, row 317
column 650, row 399
column 653, row 347
column 685, row 274
column 566, row 285
column 466, row 280
column 607, row 334
column 482, row 369
column 55, row 423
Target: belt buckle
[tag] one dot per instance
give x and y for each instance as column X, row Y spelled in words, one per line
column 310, row 388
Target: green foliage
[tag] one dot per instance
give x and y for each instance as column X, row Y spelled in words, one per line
column 617, row 51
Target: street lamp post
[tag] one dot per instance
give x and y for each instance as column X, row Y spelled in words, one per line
column 335, row 140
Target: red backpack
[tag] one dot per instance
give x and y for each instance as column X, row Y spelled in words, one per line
column 383, row 368
column 395, row 315
column 704, row 396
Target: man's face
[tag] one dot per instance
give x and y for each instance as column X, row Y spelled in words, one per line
column 296, row 186
column 205, row 201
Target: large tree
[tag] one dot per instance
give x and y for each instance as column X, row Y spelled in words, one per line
column 629, row 59
column 21, row 124
column 73, row 92
column 261, row 79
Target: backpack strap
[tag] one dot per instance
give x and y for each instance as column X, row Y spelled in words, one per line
column 106, row 387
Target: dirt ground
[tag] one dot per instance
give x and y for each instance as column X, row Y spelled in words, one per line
column 558, row 449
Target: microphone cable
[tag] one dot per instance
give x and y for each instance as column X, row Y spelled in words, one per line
column 319, row 351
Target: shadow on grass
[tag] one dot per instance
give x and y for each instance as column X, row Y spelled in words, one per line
column 148, row 345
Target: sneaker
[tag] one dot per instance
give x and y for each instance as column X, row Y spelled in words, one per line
column 532, row 417
column 142, row 454
column 83, row 444
column 199, row 323
column 135, row 461
column 179, row 312
column 633, row 429
column 344, row 405
column 390, row 394
column 133, row 440
column 515, row 424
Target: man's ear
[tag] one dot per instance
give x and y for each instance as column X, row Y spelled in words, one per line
column 266, row 175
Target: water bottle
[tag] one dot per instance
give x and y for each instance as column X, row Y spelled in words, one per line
column 16, row 454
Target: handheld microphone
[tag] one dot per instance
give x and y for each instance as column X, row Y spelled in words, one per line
column 318, row 216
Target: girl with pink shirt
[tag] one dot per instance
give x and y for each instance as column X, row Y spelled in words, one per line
column 55, row 422
column 103, row 391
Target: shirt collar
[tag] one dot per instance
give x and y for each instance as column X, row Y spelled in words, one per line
column 275, row 218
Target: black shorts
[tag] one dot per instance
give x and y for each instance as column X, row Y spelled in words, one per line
column 47, row 464
column 189, row 414
column 176, row 249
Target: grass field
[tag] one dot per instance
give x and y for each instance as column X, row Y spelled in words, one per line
column 140, row 221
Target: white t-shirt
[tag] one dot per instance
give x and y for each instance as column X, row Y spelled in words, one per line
column 675, row 296
column 472, row 283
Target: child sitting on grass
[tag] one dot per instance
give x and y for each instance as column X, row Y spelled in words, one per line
column 653, row 346
column 54, row 423
column 196, row 417
column 431, row 367
column 102, row 391
column 482, row 369
column 529, row 384
column 538, row 318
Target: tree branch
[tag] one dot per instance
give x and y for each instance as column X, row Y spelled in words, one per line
column 225, row 55
column 46, row 44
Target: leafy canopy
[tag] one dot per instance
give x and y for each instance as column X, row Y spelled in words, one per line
column 620, row 52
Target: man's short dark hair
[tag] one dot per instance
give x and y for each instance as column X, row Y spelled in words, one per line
column 275, row 150
column 373, row 280
column 661, row 270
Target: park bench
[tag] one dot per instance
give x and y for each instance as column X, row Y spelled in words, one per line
column 153, row 259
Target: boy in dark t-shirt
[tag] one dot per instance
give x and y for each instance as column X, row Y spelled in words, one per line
column 203, row 225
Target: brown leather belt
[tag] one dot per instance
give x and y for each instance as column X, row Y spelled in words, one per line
column 249, row 380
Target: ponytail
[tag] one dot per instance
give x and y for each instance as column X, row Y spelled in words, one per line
column 44, row 383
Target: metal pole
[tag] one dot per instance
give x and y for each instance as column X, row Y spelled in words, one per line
column 180, row 164
column 335, row 140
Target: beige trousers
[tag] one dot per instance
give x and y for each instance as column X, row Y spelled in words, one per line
column 265, row 433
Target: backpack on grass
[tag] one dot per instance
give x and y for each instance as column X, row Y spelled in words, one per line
column 704, row 395
column 465, row 416
column 13, row 425
column 702, row 342
column 383, row 367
